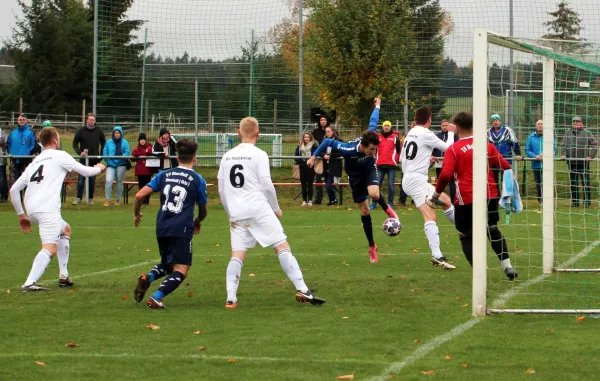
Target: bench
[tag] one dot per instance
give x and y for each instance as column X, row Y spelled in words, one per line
column 127, row 187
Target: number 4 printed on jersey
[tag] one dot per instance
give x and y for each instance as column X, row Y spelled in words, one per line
column 38, row 175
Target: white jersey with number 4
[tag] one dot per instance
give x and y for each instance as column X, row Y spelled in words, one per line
column 44, row 179
column 417, row 149
column 240, row 171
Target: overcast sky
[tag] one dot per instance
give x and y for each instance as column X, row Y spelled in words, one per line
column 216, row 29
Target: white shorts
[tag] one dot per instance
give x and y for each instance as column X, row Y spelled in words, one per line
column 51, row 225
column 417, row 187
column 265, row 229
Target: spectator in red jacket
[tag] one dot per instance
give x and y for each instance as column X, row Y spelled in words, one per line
column 143, row 173
column 388, row 153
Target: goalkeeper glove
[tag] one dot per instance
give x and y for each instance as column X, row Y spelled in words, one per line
column 433, row 200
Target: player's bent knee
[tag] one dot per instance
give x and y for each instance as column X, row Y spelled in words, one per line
column 183, row 269
column 52, row 248
column 66, row 232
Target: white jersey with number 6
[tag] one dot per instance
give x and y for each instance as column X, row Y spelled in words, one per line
column 241, row 171
column 44, row 179
column 417, row 149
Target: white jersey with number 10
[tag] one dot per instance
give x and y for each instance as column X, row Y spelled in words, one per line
column 241, row 169
column 44, row 180
column 417, row 149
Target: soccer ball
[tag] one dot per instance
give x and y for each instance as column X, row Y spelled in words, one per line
column 392, row 227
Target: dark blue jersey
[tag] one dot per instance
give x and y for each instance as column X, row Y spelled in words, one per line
column 355, row 162
column 180, row 190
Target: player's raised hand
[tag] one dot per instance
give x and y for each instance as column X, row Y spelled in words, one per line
column 310, row 162
column 197, row 226
column 377, row 101
column 137, row 219
column 25, row 224
column 451, row 127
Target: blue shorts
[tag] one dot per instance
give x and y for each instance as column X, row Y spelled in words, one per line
column 175, row 250
column 360, row 182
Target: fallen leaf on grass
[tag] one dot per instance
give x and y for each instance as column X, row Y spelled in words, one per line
column 218, row 244
column 530, row 371
column 198, row 332
column 389, row 276
column 72, row 344
column 210, row 261
column 232, row 361
column 190, row 294
column 415, row 250
column 580, row 318
column 346, row 377
column 8, row 292
column 201, row 348
column 283, row 281
column 123, row 297
column 251, row 275
column 393, row 311
column 428, row 372
column 466, row 305
column 448, row 357
column 147, row 250
column 464, row 366
column 402, row 276
column 418, row 341
column 345, row 318
column 550, row 331
column 340, row 310
column 458, row 298
column 39, row 363
column 70, row 291
column 153, row 327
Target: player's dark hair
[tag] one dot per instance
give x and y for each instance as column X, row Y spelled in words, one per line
column 47, row 135
column 368, row 138
column 422, row 115
column 464, row 120
column 186, row 151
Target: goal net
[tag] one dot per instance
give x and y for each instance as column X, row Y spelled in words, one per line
column 553, row 242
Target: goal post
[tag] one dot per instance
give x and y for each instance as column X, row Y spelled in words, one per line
column 550, row 281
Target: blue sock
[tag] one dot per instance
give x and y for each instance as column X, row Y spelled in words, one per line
column 157, row 272
column 170, row 284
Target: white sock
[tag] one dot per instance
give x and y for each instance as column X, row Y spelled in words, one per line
column 41, row 261
column 433, row 236
column 289, row 264
column 506, row 263
column 234, row 271
column 449, row 213
column 63, row 256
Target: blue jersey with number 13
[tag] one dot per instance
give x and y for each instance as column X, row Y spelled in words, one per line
column 180, row 190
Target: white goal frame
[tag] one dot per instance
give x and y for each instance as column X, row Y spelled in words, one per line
column 481, row 41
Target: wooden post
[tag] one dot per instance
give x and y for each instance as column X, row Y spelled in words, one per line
column 274, row 115
column 20, row 105
column 83, row 112
column 211, row 128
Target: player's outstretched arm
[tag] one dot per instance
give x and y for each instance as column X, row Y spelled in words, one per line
column 88, row 171
column 319, row 151
column 375, row 115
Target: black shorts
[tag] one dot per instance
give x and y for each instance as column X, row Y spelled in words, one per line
column 463, row 215
column 175, row 250
column 360, row 182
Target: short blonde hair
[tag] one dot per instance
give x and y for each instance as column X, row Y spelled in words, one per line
column 249, row 126
column 47, row 135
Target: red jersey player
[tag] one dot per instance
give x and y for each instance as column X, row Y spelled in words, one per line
column 458, row 165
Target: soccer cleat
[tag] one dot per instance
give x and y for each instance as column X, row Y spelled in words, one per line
column 77, row 201
column 442, row 262
column 33, row 288
column 511, row 273
column 308, row 297
column 373, row 205
column 391, row 214
column 155, row 304
column 373, row 254
column 64, row 282
column 231, row 304
column 141, row 288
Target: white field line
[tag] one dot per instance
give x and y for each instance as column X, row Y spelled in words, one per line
column 113, row 270
column 43, row 356
column 396, row 367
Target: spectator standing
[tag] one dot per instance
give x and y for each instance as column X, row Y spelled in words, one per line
column 307, row 175
column 534, row 147
column 579, row 147
column 505, row 141
column 3, row 179
column 332, row 166
column 89, row 140
column 142, row 172
column 388, row 153
column 319, row 136
column 115, row 167
column 443, row 135
column 165, row 149
column 21, row 142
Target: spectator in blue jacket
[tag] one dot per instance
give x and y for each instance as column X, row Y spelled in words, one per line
column 534, row 147
column 115, row 168
column 505, row 140
column 21, row 141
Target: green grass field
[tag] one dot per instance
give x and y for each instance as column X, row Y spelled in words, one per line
column 393, row 320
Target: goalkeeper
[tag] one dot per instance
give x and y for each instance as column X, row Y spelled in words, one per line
column 458, row 164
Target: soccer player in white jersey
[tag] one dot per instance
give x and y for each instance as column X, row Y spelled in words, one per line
column 248, row 196
column 415, row 159
column 43, row 179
